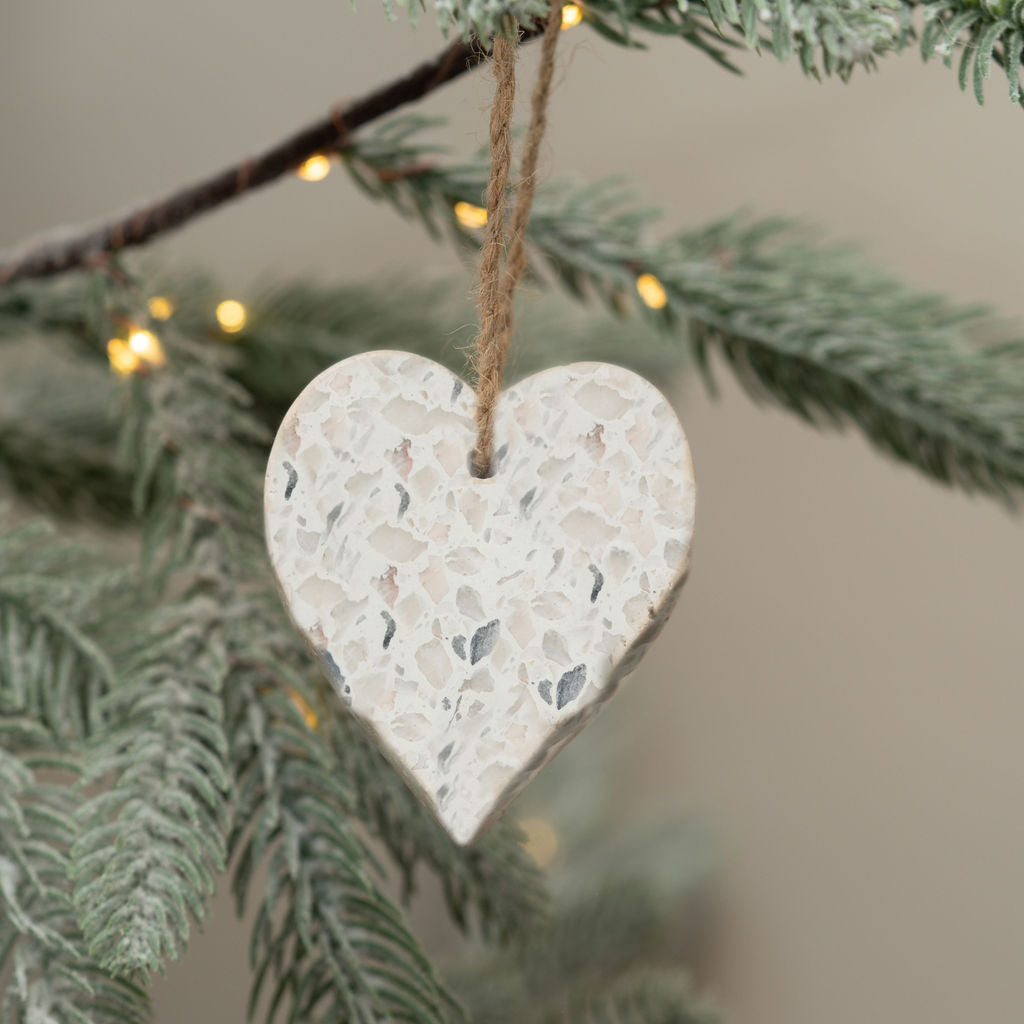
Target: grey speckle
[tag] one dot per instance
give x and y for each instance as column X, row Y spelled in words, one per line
column 403, row 500
column 441, row 794
column 459, row 646
column 293, row 479
column 389, row 630
column 446, row 704
column 570, row 686
column 499, row 456
column 556, row 561
column 483, row 641
column 445, row 754
column 333, row 672
column 456, row 389
column 524, row 501
column 598, row 582
column 332, row 517
column 544, row 689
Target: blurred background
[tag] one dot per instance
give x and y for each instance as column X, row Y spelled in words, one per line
column 838, row 699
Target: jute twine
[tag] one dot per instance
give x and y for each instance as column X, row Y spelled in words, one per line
column 503, row 259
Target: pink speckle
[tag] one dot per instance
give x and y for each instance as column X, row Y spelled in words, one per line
column 402, row 460
column 388, row 587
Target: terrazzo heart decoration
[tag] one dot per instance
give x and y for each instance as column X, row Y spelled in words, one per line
column 473, row 625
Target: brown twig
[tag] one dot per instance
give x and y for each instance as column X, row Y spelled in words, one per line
column 48, row 256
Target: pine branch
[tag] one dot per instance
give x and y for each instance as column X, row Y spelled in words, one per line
column 197, row 480
column 297, row 329
column 327, row 939
column 58, row 425
column 54, row 676
column 52, row 976
column 57, row 437
column 810, row 328
column 847, row 32
column 148, row 845
column 642, row 997
column 830, row 36
column 181, row 410
column 52, row 668
column 330, row 944
column 88, row 247
column 614, row 903
column 986, row 34
column 587, row 945
column 495, row 879
column 833, row 36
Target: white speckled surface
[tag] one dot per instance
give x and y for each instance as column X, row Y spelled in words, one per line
column 474, row 626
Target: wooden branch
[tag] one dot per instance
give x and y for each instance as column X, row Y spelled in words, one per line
column 54, row 254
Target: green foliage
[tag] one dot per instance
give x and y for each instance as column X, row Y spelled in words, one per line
column 333, row 947
column 482, row 18
column 830, row 35
column 149, row 845
column 843, row 343
column 344, row 953
column 826, row 36
column 495, row 878
column 811, row 328
column 614, row 904
column 206, row 734
column 54, row 676
column 60, row 419
column 833, row 37
column 297, row 329
column 52, row 977
column 986, row 34
column 52, row 669
column 645, row 997
column 162, row 721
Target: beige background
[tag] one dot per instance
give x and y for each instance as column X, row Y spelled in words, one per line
column 843, row 677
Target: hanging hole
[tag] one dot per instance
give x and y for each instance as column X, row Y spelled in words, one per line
column 496, row 460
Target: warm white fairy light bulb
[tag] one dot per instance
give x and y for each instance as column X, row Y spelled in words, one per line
column 572, row 15
column 161, row 307
column 651, row 291
column 470, row 216
column 231, row 315
column 316, row 168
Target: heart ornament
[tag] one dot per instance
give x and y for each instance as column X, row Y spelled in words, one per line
column 473, row 626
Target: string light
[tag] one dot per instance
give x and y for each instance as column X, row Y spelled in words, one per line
column 142, row 351
column 316, row 168
column 161, row 307
column 470, row 216
column 146, row 345
column 572, row 15
column 231, row 316
column 651, row 291
column 123, row 361
column 541, row 841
